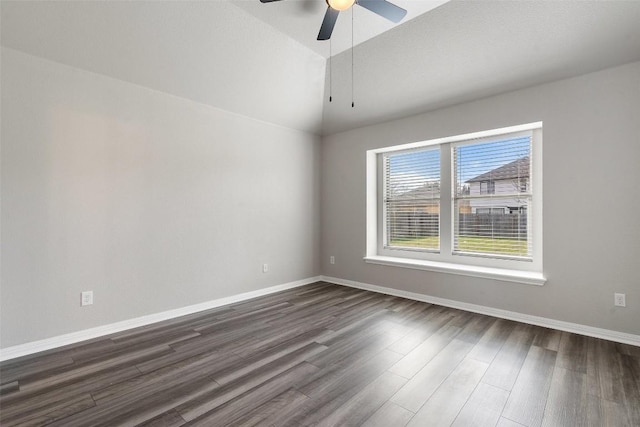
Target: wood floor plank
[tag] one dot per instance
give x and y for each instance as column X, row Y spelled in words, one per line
column 116, row 350
column 359, row 301
column 627, row 349
column 330, row 388
column 604, row 371
column 258, row 360
column 282, row 333
column 602, row 412
column 572, row 353
column 95, row 368
column 133, row 410
column 420, row 388
column 85, row 352
column 631, row 383
column 326, row 309
column 416, row 315
column 269, row 413
column 227, row 338
column 362, row 310
column 22, row 403
column 373, row 339
column 413, row 362
column 506, row 365
column 483, row 408
column 492, row 341
column 48, row 414
column 160, row 337
column 187, row 322
column 529, row 395
column 167, row 419
column 445, row 403
column 234, row 322
column 389, row 414
column 33, row 368
column 177, row 357
column 433, row 321
column 475, row 328
column 547, row 338
column 209, row 401
column 319, row 297
column 184, row 371
column 362, row 405
column 41, row 358
column 505, row 422
column 9, row 387
column 567, row 403
column 360, row 326
column 325, row 354
column 230, row 411
column 336, row 378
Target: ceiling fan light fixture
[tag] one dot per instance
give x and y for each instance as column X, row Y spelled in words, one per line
column 340, row 4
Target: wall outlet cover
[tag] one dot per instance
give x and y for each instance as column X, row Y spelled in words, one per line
column 86, row 298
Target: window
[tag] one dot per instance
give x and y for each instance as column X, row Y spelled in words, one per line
column 412, row 199
column 480, row 226
column 487, row 187
column 489, row 211
column 523, row 184
column 469, row 203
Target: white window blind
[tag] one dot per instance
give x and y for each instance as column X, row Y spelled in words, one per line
column 492, row 197
column 412, row 199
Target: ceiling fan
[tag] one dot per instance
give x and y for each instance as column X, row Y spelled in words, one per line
column 380, row 7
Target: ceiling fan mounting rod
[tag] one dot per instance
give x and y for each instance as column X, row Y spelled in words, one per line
column 340, row 5
column 383, row 8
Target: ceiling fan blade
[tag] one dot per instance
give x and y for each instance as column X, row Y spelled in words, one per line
column 267, row 1
column 385, row 9
column 328, row 23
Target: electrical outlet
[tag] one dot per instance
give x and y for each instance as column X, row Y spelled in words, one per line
column 332, row 259
column 265, row 268
column 86, row 298
column 619, row 300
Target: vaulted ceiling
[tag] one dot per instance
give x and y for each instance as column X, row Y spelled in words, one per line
column 262, row 60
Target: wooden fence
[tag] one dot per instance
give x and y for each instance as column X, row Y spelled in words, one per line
column 408, row 225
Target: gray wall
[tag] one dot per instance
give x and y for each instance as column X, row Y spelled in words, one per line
column 591, row 163
column 152, row 201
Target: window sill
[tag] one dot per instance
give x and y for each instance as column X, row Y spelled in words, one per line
column 517, row 276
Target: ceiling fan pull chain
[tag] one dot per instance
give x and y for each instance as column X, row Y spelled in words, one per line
column 352, row 102
column 330, row 79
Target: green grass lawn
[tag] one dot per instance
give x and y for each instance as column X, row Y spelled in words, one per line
column 429, row 242
column 469, row 244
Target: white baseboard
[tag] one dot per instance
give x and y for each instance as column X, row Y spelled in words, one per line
column 576, row 328
column 74, row 337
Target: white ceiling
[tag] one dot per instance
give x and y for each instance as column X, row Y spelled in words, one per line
column 301, row 20
column 252, row 59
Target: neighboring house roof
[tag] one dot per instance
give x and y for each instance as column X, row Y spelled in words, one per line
column 430, row 190
column 516, row 169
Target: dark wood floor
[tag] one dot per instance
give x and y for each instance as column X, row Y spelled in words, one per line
column 328, row 355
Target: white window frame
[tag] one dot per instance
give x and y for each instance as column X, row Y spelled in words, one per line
column 528, row 272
